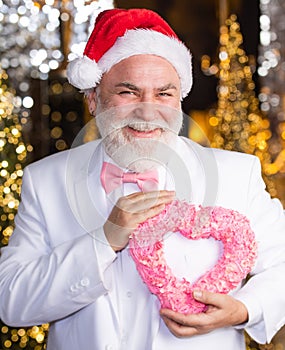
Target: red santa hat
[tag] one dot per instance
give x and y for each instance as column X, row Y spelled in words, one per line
column 119, row 34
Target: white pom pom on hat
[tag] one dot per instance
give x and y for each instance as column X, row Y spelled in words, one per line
column 119, row 34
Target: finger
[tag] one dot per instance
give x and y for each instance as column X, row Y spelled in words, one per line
column 142, row 201
column 151, row 203
column 179, row 330
column 223, row 306
column 143, row 196
column 209, row 298
column 152, row 194
column 131, row 220
column 182, row 319
column 189, row 324
column 148, row 213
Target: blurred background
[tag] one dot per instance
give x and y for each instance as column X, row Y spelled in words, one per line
column 237, row 101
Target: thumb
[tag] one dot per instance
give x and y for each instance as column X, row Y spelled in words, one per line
column 206, row 297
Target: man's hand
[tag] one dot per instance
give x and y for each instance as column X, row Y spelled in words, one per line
column 223, row 311
column 132, row 210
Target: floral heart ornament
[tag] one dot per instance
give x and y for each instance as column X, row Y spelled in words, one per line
column 224, row 225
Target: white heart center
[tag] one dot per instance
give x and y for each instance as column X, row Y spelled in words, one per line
column 190, row 258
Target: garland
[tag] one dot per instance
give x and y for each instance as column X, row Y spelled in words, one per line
column 225, row 225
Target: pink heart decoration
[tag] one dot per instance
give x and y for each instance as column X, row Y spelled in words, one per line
column 225, row 225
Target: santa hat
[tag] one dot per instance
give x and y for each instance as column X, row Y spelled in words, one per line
column 119, row 34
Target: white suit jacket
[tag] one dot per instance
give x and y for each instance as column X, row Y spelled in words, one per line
column 59, row 268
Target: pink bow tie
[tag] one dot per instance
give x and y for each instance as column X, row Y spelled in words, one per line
column 113, row 177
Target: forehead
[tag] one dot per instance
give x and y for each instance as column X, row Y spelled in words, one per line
column 142, row 69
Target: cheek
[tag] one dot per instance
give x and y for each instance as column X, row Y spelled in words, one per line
column 118, row 109
column 176, row 104
column 110, row 109
column 172, row 111
column 172, row 116
column 117, row 100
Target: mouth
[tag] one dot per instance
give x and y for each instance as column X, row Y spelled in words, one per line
column 143, row 132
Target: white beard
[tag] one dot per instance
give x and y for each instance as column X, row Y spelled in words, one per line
column 138, row 154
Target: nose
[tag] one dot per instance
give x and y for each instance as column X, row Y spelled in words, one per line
column 146, row 111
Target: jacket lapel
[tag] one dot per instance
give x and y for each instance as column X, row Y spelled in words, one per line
column 85, row 194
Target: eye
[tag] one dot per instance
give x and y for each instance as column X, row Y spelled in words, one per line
column 126, row 92
column 165, row 94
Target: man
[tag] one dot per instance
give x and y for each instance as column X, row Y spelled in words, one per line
column 68, row 261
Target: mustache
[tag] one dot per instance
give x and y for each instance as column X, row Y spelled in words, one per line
column 134, row 123
column 154, row 117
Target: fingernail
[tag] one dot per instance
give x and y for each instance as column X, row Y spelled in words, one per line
column 197, row 294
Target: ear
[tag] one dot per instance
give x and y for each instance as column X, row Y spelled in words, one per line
column 92, row 101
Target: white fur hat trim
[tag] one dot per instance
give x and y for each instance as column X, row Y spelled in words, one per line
column 85, row 73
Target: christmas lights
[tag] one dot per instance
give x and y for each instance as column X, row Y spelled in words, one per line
column 238, row 123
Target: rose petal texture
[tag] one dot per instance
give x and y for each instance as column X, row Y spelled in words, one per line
column 193, row 222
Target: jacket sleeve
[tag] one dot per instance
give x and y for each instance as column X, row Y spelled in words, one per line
column 40, row 283
column 264, row 292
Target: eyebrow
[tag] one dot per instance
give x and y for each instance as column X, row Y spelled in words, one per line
column 128, row 86
column 133, row 87
column 167, row 87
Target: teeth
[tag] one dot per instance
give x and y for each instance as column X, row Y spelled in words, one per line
column 141, row 128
